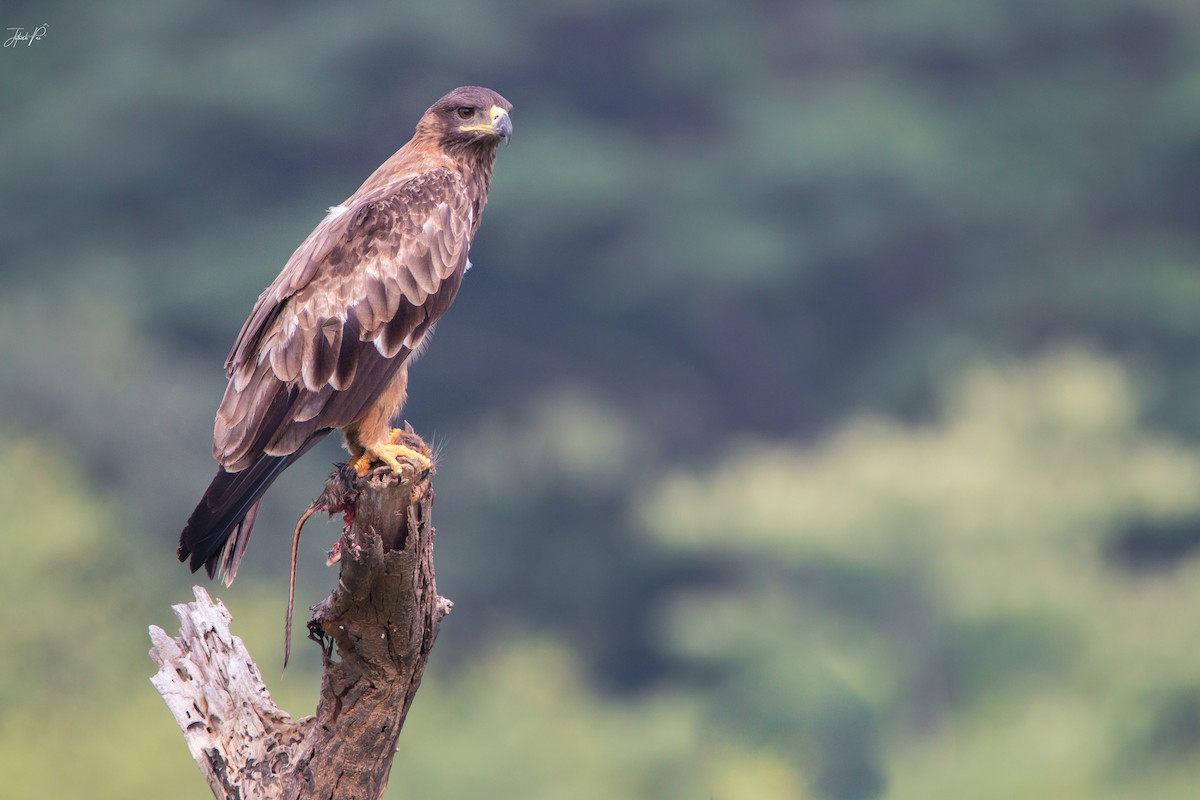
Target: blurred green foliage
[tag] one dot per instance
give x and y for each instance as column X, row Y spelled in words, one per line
column 948, row 582
column 819, row 420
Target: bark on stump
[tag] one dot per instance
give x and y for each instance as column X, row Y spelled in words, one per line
column 381, row 620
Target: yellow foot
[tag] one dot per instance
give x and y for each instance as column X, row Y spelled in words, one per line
column 392, row 452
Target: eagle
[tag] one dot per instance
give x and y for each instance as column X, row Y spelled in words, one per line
column 328, row 344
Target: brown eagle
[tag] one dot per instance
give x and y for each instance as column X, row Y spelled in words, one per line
column 328, row 343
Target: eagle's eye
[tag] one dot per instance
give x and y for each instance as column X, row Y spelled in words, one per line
column 465, row 112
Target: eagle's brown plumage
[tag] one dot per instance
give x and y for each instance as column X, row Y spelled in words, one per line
column 327, row 344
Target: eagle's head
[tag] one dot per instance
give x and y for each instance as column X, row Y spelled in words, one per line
column 468, row 117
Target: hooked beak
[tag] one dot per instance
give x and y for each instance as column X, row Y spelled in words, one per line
column 500, row 125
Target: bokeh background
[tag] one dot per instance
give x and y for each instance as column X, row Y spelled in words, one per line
column 820, row 419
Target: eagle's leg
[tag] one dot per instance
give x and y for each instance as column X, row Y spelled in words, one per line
column 373, row 439
column 391, row 453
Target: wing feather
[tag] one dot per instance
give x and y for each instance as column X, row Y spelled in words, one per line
column 327, row 337
column 399, row 330
column 286, row 356
column 321, row 346
column 347, row 360
column 406, row 282
column 420, row 265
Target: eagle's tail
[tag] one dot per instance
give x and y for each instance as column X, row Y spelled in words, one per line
column 217, row 531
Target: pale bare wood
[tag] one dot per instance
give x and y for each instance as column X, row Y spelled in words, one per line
column 381, row 620
column 240, row 739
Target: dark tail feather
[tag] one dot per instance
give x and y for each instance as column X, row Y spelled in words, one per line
column 216, row 533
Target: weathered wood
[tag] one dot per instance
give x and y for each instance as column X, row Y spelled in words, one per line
column 240, row 739
column 381, row 620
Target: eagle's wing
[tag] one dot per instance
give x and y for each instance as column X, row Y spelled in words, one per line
column 327, row 337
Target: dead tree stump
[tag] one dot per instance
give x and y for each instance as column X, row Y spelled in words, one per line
column 381, row 621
